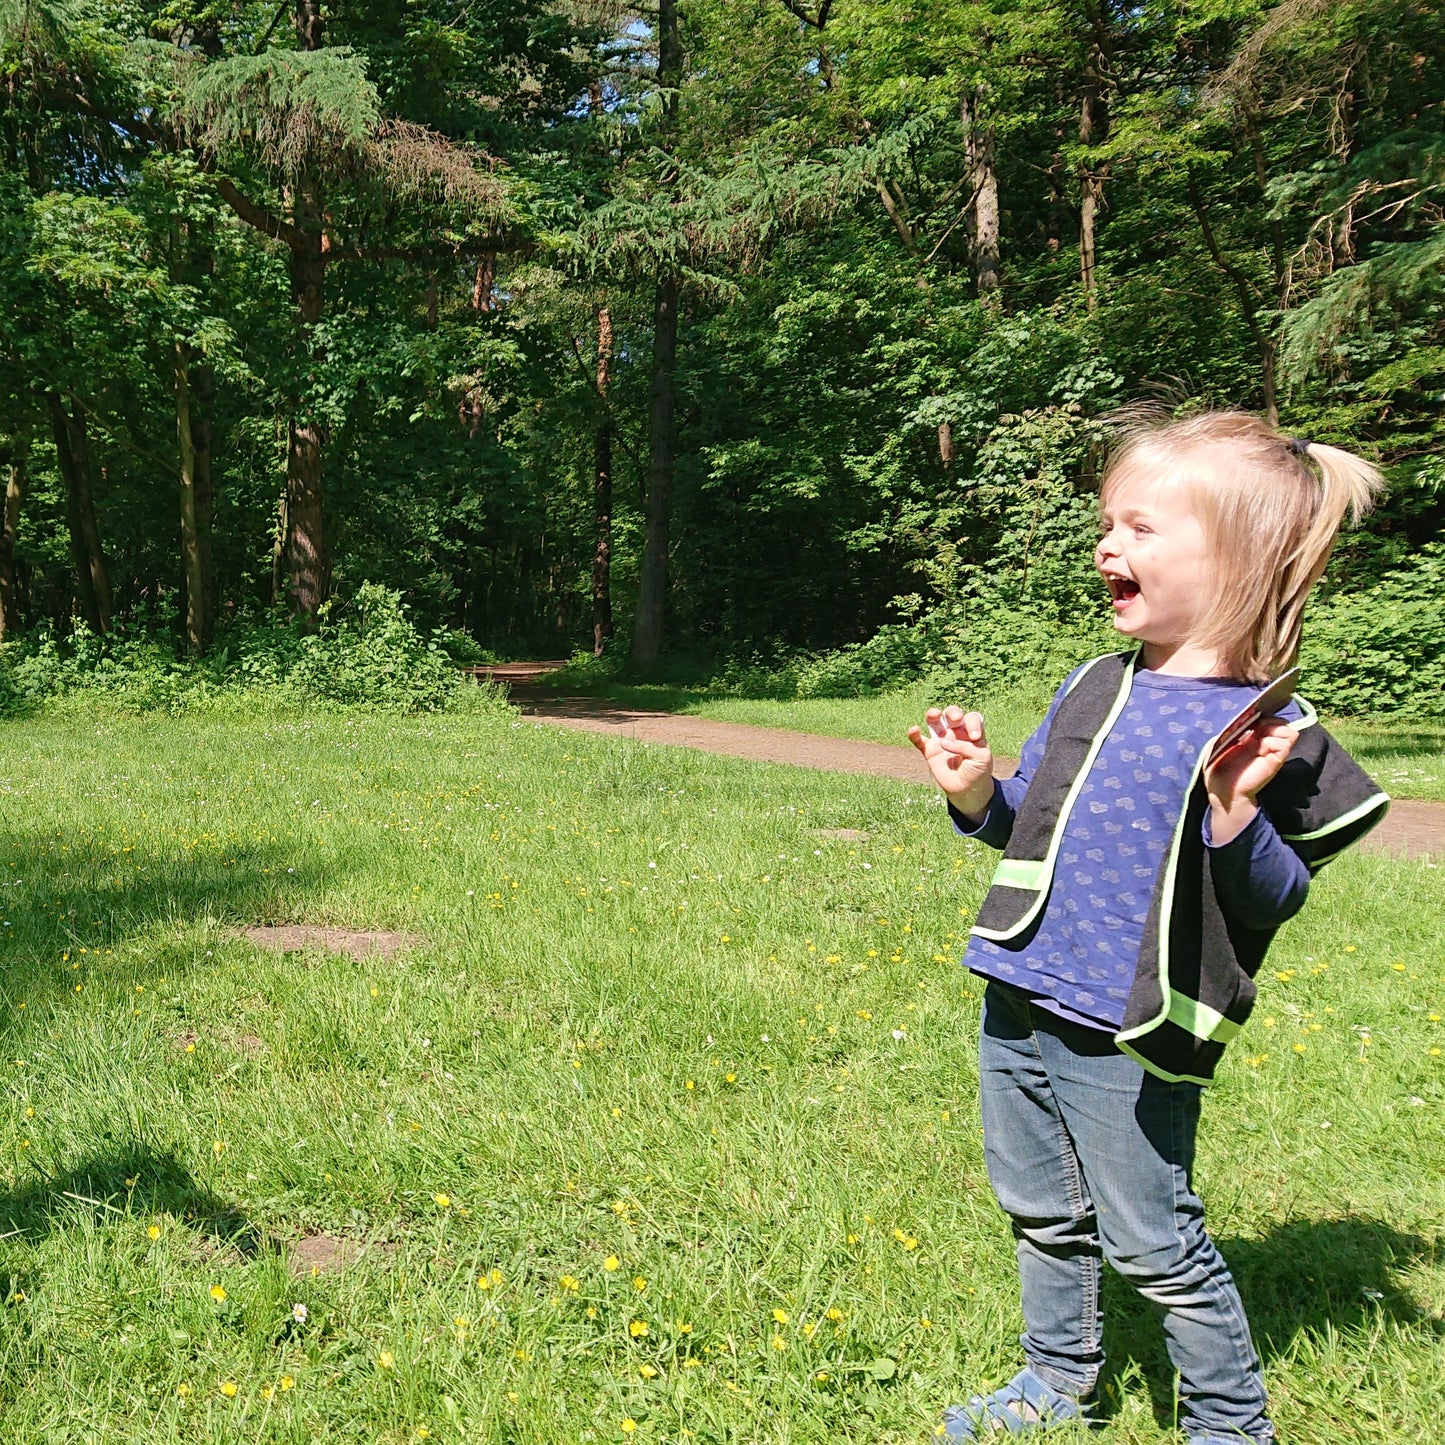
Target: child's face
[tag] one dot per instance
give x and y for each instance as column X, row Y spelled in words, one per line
column 1155, row 560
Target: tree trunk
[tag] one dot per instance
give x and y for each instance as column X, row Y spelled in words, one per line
column 72, row 452
column 662, row 422
column 602, row 492
column 308, row 561
column 662, row 457
column 983, row 216
column 482, row 286
column 193, row 587
column 203, row 396
column 1093, row 130
column 14, row 495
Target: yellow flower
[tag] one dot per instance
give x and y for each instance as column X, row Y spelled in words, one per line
column 288, row 1382
column 217, row 1147
column 153, row 1232
column 629, row 1425
column 852, row 1239
column 1269, row 1023
column 268, row 1392
column 442, row 1201
column 1434, row 1053
column 864, row 1014
column 926, row 1323
column 218, row 1292
column 638, row 1329
column 386, row 1359
column 834, row 1314
column 228, row 1389
column 1299, row 1048
column 647, row 1372
column 183, row 1390
column 612, row 1264
column 422, row 1433
column 683, row 1328
column 1285, row 974
column 732, row 1078
column 571, row 1282
column 779, row 1343
column 638, row 1283
column 781, row 1316
column 689, row 1085
column 821, row 1377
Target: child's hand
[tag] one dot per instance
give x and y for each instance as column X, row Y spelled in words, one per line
column 1235, row 778
column 958, row 756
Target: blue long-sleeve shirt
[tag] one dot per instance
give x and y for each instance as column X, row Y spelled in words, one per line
column 1079, row 959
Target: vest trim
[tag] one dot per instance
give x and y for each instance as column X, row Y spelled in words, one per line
column 1041, row 871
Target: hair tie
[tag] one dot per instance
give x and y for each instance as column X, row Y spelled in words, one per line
column 1299, row 445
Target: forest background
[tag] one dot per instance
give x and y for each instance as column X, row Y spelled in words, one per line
column 777, row 336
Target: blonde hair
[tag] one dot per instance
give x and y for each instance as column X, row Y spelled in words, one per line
column 1270, row 507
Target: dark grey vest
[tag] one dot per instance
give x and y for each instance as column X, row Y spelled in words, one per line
column 1194, row 982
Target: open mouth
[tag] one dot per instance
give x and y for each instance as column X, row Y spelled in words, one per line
column 1123, row 590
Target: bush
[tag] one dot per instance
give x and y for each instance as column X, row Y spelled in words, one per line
column 1381, row 651
column 367, row 655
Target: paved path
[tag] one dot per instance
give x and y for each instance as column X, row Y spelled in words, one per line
column 1412, row 829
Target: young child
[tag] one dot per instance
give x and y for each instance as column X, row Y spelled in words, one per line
column 1138, row 891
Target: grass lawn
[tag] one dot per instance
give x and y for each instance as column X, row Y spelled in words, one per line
column 1408, row 758
column 666, row 1130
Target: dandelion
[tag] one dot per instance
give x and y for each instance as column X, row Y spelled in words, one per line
column 732, row 1078
column 183, row 1390
column 833, row 1313
column 638, row 1283
column 442, row 1201
column 386, row 1359
column 218, row 1292
column 639, row 1329
column 228, row 1389
column 1434, row 1053
column 822, row 1378
column 612, row 1264
column 288, row 1382
column 647, row 1372
column 153, row 1232
column 629, row 1425
column 779, row 1343
column 683, row 1327
column 217, row 1146
column 781, row 1316
column 1299, row 1048
column 571, row 1282
column 925, row 1323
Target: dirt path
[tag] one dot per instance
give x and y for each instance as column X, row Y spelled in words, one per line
column 1413, row 829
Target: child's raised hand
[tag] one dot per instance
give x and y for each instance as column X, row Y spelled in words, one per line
column 955, row 747
column 1235, row 778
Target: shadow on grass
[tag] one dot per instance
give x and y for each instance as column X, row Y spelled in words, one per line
column 1304, row 1278
column 131, row 1180
column 1368, row 741
column 83, row 899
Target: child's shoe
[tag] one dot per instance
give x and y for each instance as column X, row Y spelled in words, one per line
column 1026, row 1403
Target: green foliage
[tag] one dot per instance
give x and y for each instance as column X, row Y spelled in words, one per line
column 366, row 657
column 1382, row 650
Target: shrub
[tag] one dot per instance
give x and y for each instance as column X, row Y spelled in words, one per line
column 366, row 655
column 1381, row 651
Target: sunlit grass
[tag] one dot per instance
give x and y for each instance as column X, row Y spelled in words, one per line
column 670, row 1056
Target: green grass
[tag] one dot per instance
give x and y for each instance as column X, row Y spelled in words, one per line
column 1407, row 757
column 659, row 1019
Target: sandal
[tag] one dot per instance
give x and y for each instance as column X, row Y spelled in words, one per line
column 1025, row 1403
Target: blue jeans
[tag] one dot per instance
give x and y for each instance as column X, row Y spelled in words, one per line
column 1090, row 1156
